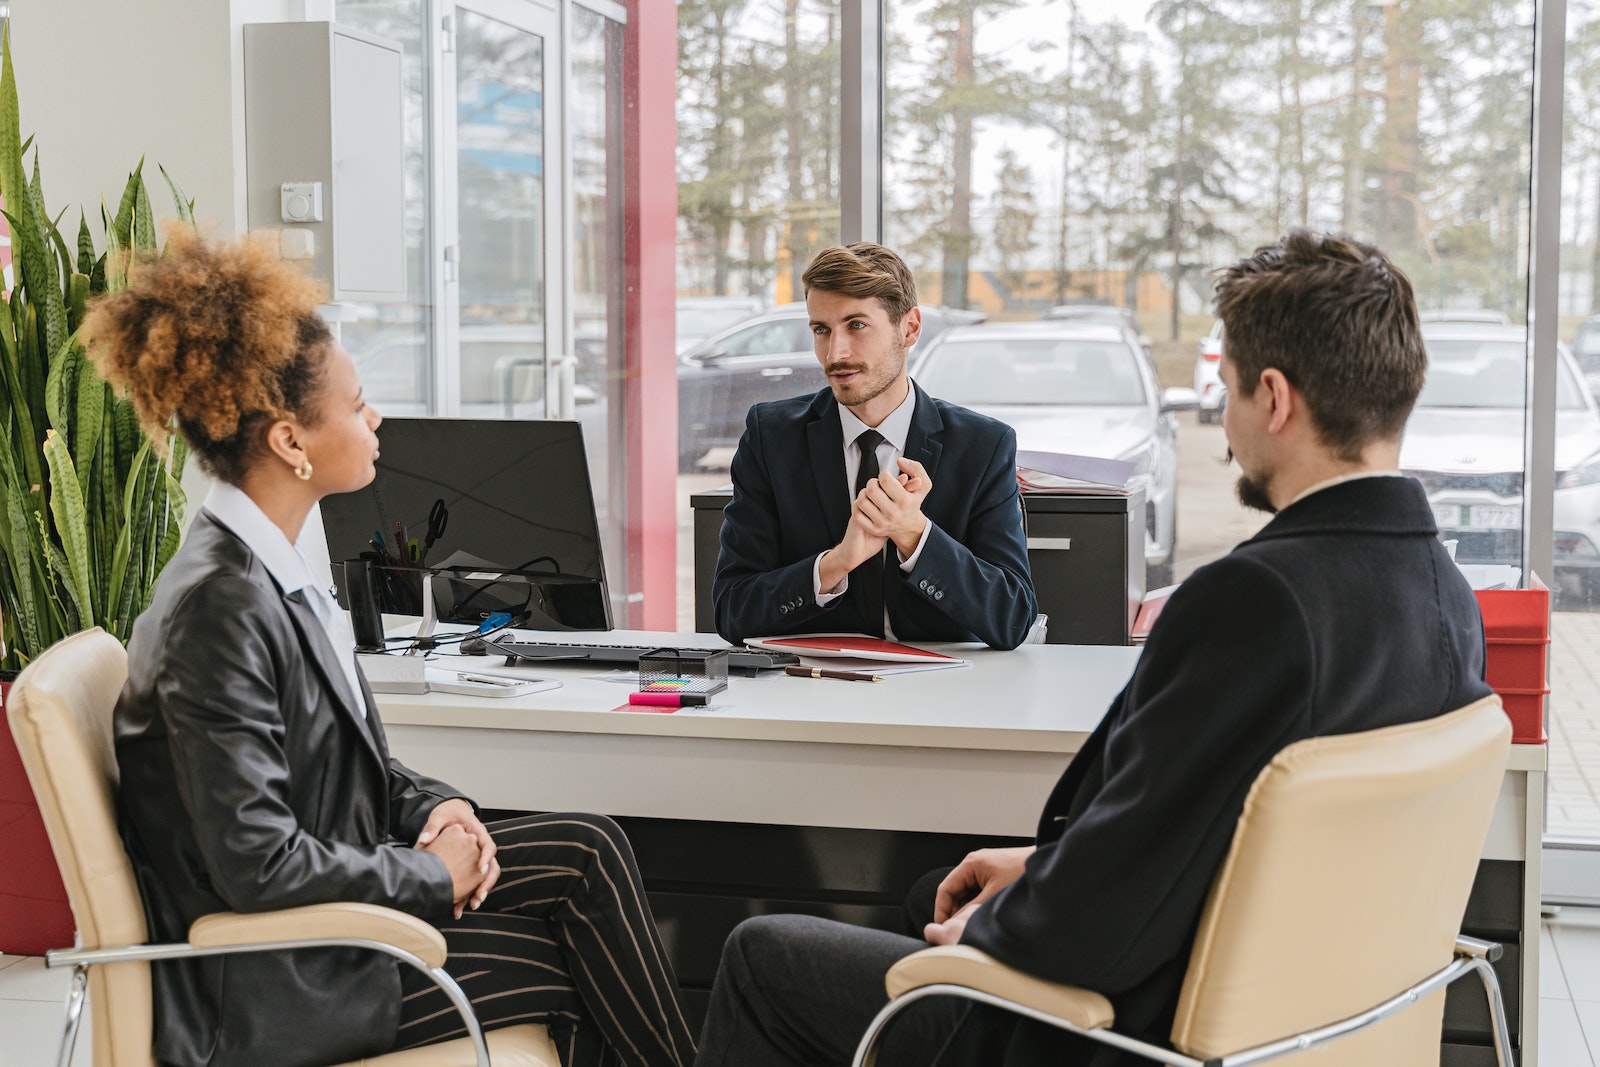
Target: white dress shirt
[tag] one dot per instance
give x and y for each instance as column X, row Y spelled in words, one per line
column 289, row 567
column 1340, row 479
column 894, row 428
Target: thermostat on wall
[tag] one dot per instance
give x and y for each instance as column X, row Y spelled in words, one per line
column 302, row 201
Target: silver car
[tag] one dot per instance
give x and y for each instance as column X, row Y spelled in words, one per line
column 1076, row 387
column 1464, row 442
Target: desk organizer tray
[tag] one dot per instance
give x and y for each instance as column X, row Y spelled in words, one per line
column 671, row 670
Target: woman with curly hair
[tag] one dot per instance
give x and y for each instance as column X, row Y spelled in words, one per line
column 255, row 773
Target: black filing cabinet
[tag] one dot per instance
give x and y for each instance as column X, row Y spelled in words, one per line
column 1086, row 554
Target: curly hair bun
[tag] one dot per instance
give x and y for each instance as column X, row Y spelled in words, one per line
column 205, row 333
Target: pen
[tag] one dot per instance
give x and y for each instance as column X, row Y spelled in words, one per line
column 822, row 672
column 492, row 679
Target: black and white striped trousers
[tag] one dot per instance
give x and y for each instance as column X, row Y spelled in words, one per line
column 565, row 938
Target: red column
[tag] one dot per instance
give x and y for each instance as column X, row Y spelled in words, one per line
column 650, row 140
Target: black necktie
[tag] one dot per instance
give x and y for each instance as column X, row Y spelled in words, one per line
column 870, row 573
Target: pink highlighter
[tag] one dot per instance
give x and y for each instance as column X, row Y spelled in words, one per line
column 668, row 700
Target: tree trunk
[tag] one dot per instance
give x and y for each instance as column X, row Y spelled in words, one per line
column 1397, row 218
column 1594, row 278
column 795, row 135
column 958, row 232
column 717, row 162
column 1175, row 205
column 1350, row 216
column 1063, row 257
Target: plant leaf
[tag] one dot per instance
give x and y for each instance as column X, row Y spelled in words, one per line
column 78, row 617
column 144, row 219
column 185, row 207
column 123, row 225
column 78, row 288
column 71, row 523
column 86, row 253
column 119, row 591
column 91, row 415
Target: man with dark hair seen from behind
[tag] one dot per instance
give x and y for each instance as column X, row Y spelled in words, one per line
column 928, row 544
column 1343, row 614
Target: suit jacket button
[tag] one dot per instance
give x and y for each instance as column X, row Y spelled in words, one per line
column 784, row 610
column 922, row 584
column 939, row 595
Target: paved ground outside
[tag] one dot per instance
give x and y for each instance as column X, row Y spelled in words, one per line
column 1211, row 521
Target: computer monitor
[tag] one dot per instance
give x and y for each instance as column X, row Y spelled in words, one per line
column 509, row 512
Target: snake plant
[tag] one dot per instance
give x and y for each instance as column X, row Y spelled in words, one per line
column 90, row 510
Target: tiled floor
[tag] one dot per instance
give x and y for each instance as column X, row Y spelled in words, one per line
column 1574, row 795
column 33, row 999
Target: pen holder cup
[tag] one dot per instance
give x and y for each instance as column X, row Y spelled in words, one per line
column 671, row 670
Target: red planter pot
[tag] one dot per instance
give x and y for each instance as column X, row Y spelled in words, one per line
column 34, row 914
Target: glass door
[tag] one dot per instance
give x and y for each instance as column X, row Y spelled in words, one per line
column 502, row 256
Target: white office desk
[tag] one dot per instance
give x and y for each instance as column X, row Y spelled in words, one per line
column 968, row 751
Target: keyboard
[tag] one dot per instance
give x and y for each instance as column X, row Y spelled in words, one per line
column 739, row 659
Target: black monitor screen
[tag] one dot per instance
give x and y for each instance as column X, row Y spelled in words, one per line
column 512, row 497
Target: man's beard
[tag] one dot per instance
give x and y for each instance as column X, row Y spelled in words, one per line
column 1252, row 492
column 872, row 390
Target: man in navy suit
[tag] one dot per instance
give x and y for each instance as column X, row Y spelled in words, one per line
column 872, row 507
column 1343, row 614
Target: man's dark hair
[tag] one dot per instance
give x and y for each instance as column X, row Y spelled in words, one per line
column 1339, row 320
column 864, row 270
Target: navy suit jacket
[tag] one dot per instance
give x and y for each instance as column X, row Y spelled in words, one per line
column 790, row 504
column 1344, row 614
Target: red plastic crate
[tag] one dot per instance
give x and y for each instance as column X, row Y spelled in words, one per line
column 1516, row 662
column 1516, row 613
column 1525, row 708
column 1516, row 628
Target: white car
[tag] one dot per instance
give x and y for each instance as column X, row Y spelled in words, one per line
column 1464, row 442
column 1208, row 375
column 1071, row 386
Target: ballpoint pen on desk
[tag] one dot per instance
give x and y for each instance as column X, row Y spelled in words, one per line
column 823, row 672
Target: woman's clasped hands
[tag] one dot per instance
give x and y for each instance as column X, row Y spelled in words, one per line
column 454, row 833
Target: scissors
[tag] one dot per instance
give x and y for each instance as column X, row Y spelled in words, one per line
column 438, row 519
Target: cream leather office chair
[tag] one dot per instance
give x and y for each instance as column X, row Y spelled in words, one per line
column 1371, row 837
column 60, row 713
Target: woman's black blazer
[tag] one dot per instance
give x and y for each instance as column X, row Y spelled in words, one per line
column 250, row 782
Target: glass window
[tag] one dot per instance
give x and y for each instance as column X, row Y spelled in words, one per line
column 768, row 339
column 594, row 129
column 1096, row 159
column 1048, row 371
column 1485, row 373
column 758, row 195
column 390, row 342
column 1573, row 803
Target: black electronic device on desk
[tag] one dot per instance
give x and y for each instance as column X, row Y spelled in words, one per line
column 495, row 515
column 745, row 660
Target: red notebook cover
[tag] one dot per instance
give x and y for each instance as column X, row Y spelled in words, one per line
column 854, row 645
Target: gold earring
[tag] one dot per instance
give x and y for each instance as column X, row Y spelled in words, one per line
column 303, row 472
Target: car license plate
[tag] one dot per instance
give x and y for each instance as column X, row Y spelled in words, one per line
column 1447, row 514
column 1492, row 517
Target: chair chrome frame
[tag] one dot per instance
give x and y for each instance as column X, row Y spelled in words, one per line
column 1471, row 955
column 80, row 960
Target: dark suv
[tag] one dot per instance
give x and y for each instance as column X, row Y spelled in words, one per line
column 767, row 357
